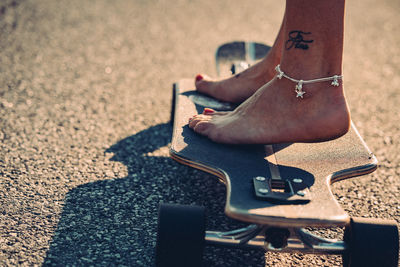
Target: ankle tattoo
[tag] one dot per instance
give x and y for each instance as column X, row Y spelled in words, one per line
column 299, row 83
column 296, row 40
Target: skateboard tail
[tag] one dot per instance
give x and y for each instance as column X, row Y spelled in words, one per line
column 353, row 172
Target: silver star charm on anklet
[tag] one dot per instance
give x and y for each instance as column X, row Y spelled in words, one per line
column 300, row 93
column 335, row 81
column 299, row 89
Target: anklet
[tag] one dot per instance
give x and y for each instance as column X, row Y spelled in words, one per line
column 299, row 86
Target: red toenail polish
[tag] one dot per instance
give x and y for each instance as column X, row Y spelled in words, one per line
column 208, row 111
column 199, row 77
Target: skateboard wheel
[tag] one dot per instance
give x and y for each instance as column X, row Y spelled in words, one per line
column 180, row 236
column 372, row 242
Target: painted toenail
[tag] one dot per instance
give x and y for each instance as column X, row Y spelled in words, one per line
column 199, row 77
column 208, row 111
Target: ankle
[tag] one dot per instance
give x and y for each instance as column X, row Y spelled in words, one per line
column 311, row 68
column 323, row 90
column 320, row 58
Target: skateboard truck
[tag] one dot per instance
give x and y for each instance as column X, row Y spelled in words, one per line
column 276, row 239
column 182, row 235
column 279, row 190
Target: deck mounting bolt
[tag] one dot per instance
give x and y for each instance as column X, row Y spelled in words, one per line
column 263, row 190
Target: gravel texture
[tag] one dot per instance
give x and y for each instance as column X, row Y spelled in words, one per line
column 85, row 91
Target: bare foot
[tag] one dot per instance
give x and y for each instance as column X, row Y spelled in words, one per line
column 273, row 114
column 238, row 88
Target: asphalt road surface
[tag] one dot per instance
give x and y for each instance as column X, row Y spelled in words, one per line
column 85, row 92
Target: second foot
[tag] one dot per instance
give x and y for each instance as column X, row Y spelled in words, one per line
column 241, row 86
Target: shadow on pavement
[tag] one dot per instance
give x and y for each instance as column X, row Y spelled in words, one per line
column 114, row 222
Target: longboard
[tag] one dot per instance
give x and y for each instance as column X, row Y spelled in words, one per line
column 286, row 185
column 279, row 189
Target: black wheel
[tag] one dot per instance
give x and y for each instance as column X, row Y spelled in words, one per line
column 372, row 242
column 180, row 236
column 175, row 91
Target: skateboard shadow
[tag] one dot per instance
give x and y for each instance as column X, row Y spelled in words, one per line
column 114, row 221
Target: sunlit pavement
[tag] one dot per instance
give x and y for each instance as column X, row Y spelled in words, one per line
column 85, row 91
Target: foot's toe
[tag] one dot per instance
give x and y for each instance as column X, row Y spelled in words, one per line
column 202, row 127
column 203, row 83
column 199, row 77
column 208, row 111
column 197, row 119
column 212, row 112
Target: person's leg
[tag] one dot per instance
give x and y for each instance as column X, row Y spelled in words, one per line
column 313, row 48
column 238, row 88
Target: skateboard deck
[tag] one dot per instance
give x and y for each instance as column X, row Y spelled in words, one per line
column 285, row 185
